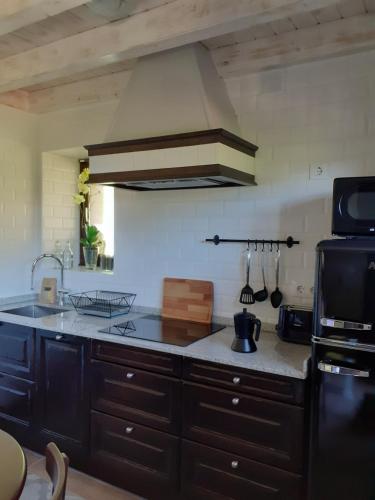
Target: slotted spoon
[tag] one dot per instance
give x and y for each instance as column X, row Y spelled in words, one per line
column 247, row 293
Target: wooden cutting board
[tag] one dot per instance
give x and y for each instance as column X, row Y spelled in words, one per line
column 189, row 300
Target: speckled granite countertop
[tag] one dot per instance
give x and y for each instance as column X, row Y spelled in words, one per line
column 273, row 355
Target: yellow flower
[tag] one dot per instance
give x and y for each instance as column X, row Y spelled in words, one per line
column 84, row 175
column 83, row 188
column 78, row 199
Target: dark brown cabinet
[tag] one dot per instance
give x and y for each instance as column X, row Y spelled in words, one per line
column 157, row 424
column 135, row 457
column 17, row 404
column 141, row 396
column 153, row 361
column 63, row 393
column 210, row 474
column 17, row 385
column 265, row 385
column 17, row 350
column 257, row 428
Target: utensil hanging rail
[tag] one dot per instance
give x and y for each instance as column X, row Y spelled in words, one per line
column 289, row 242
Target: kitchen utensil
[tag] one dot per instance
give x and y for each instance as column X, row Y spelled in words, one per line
column 189, row 300
column 102, row 303
column 247, row 293
column 262, row 295
column 244, row 323
column 276, row 295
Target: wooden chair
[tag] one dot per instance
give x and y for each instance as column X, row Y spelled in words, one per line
column 57, row 465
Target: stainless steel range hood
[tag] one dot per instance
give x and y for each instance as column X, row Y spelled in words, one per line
column 174, row 128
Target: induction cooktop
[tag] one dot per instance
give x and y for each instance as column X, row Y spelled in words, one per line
column 165, row 330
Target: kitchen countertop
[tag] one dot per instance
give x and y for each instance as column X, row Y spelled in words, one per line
column 272, row 356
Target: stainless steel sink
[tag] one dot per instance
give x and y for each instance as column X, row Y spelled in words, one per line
column 35, row 311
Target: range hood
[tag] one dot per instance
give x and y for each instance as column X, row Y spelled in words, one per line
column 174, row 128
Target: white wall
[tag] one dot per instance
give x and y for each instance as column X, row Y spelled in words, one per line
column 19, row 200
column 318, row 114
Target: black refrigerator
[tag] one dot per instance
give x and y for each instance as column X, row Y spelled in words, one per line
column 342, row 439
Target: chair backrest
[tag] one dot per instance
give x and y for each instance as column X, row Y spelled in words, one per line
column 57, row 465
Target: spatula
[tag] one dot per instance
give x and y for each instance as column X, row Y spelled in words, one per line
column 247, row 293
column 276, row 295
column 262, row 295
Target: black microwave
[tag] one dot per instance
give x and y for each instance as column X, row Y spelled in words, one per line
column 353, row 211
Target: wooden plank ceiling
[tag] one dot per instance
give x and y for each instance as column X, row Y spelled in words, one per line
column 56, row 54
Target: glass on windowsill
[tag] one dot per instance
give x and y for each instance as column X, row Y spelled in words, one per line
column 106, row 262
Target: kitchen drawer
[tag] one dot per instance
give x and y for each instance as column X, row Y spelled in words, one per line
column 138, row 395
column 210, row 474
column 274, row 387
column 153, row 361
column 134, row 457
column 257, row 428
column 17, row 350
column 16, row 400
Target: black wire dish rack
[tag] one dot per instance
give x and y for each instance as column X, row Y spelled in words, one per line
column 102, row 303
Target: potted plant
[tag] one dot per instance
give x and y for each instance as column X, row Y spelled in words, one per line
column 90, row 246
column 92, row 240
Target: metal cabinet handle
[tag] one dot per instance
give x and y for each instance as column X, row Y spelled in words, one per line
column 236, row 380
column 342, row 370
column 234, row 464
column 129, row 375
column 58, row 337
column 129, row 430
column 345, row 325
column 235, row 401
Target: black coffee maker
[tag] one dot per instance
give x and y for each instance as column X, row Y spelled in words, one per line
column 244, row 323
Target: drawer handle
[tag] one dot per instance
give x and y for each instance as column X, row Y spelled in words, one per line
column 129, row 375
column 235, row 401
column 129, row 430
column 234, row 464
column 58, row 337
column 236, row 380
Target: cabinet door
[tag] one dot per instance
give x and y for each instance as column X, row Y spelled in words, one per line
column 17, row 350
column 138, row 395
column 17, row 406
column 257, row 428
column 134, row 457
column 63, row 402
column 210, row 474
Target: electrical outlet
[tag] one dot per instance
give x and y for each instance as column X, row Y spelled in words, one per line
column 300, row 290
column 318, row 170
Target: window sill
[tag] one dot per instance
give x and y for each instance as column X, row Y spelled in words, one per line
column 83, row 269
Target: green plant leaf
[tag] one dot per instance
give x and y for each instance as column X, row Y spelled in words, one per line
column 92, row 236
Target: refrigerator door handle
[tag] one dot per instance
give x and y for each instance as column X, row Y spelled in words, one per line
column 342, row 370
column 345, row 325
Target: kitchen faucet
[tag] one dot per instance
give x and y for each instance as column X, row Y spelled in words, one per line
column 61, row 291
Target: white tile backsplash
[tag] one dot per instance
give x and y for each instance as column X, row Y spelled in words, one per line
column 316, row 112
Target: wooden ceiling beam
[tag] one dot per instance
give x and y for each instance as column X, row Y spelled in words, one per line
column 16, row 14
column 336, row 38
column 84, row 92
column 171, row 25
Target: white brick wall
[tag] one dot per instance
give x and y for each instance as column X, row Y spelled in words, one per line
column 60, row 216
column 321, row 113
column 19, row 200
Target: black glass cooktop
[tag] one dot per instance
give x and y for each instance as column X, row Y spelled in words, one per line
column 164, row 330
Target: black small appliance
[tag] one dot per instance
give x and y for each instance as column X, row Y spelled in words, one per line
column 353, row 210
column 244, row 323
column 295, row 324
